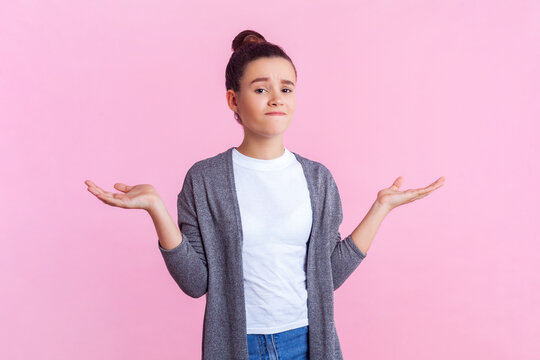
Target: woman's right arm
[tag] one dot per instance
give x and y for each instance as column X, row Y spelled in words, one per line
column 169, row 236
column 185, row 260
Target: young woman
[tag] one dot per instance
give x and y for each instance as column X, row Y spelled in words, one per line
column 261, row 224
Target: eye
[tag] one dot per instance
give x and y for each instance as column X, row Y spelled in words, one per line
column 258, row 90
column 290, row 91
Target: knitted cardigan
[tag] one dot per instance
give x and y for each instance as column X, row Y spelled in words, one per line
column 209, row 259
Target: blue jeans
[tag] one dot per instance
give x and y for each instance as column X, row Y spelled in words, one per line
column 287, row 345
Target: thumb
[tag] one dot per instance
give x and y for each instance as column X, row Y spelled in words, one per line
column 397, row 183
column 123, row 187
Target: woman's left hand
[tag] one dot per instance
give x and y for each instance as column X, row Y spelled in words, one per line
column 390, row 198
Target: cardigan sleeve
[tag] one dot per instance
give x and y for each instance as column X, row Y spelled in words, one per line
column 346, row 256
column 187, row 262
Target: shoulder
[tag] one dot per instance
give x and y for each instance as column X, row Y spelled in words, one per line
column 316, row 170
column 310, row 164
column 213, row 166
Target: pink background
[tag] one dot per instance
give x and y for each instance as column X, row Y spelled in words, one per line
column 134, row 92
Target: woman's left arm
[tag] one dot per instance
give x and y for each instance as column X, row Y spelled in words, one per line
column 387, row 199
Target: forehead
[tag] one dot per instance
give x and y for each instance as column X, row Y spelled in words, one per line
column 276, row 69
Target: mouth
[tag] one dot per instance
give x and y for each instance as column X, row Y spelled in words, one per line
column 275, row 113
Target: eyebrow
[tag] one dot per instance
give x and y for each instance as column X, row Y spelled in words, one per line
column 266, row 79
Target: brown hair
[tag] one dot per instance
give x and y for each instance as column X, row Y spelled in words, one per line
column 248, row 46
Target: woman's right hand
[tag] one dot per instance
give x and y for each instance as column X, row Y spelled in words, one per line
column 142, row 196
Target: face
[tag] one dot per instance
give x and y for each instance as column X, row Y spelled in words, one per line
column 258, row 97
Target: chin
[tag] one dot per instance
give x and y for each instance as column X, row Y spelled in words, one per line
column 271, row 132
column 266, row 129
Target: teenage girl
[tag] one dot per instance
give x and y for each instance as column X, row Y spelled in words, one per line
column 260, row 82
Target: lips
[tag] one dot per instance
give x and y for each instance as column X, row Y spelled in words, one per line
column 275, row 113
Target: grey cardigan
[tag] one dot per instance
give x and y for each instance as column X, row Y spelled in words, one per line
column 209, row 259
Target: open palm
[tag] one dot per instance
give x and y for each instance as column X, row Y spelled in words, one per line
column 132, row 197
column 392, row 197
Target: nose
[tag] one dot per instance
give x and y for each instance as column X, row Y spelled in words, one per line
column 276, row 99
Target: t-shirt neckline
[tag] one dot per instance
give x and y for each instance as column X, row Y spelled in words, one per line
column 262, row 164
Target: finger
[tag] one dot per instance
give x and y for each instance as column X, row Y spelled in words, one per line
column 423, row 195
column 112, row 199
column 437, row 184
column 412, row 192
column 425, row 192
column 100, row 193
column 415, row 193
column 94, row 190
column 123, row 187
column 97, row 191
column 94, row 187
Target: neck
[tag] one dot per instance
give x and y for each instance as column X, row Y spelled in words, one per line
column 266, row 150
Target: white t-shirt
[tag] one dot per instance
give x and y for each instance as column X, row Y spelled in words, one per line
column 276, row 216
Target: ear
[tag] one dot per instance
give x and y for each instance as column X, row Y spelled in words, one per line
column 231, row 100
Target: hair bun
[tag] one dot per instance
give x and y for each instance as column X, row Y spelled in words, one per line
column 252, row 39
column 247, row 37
